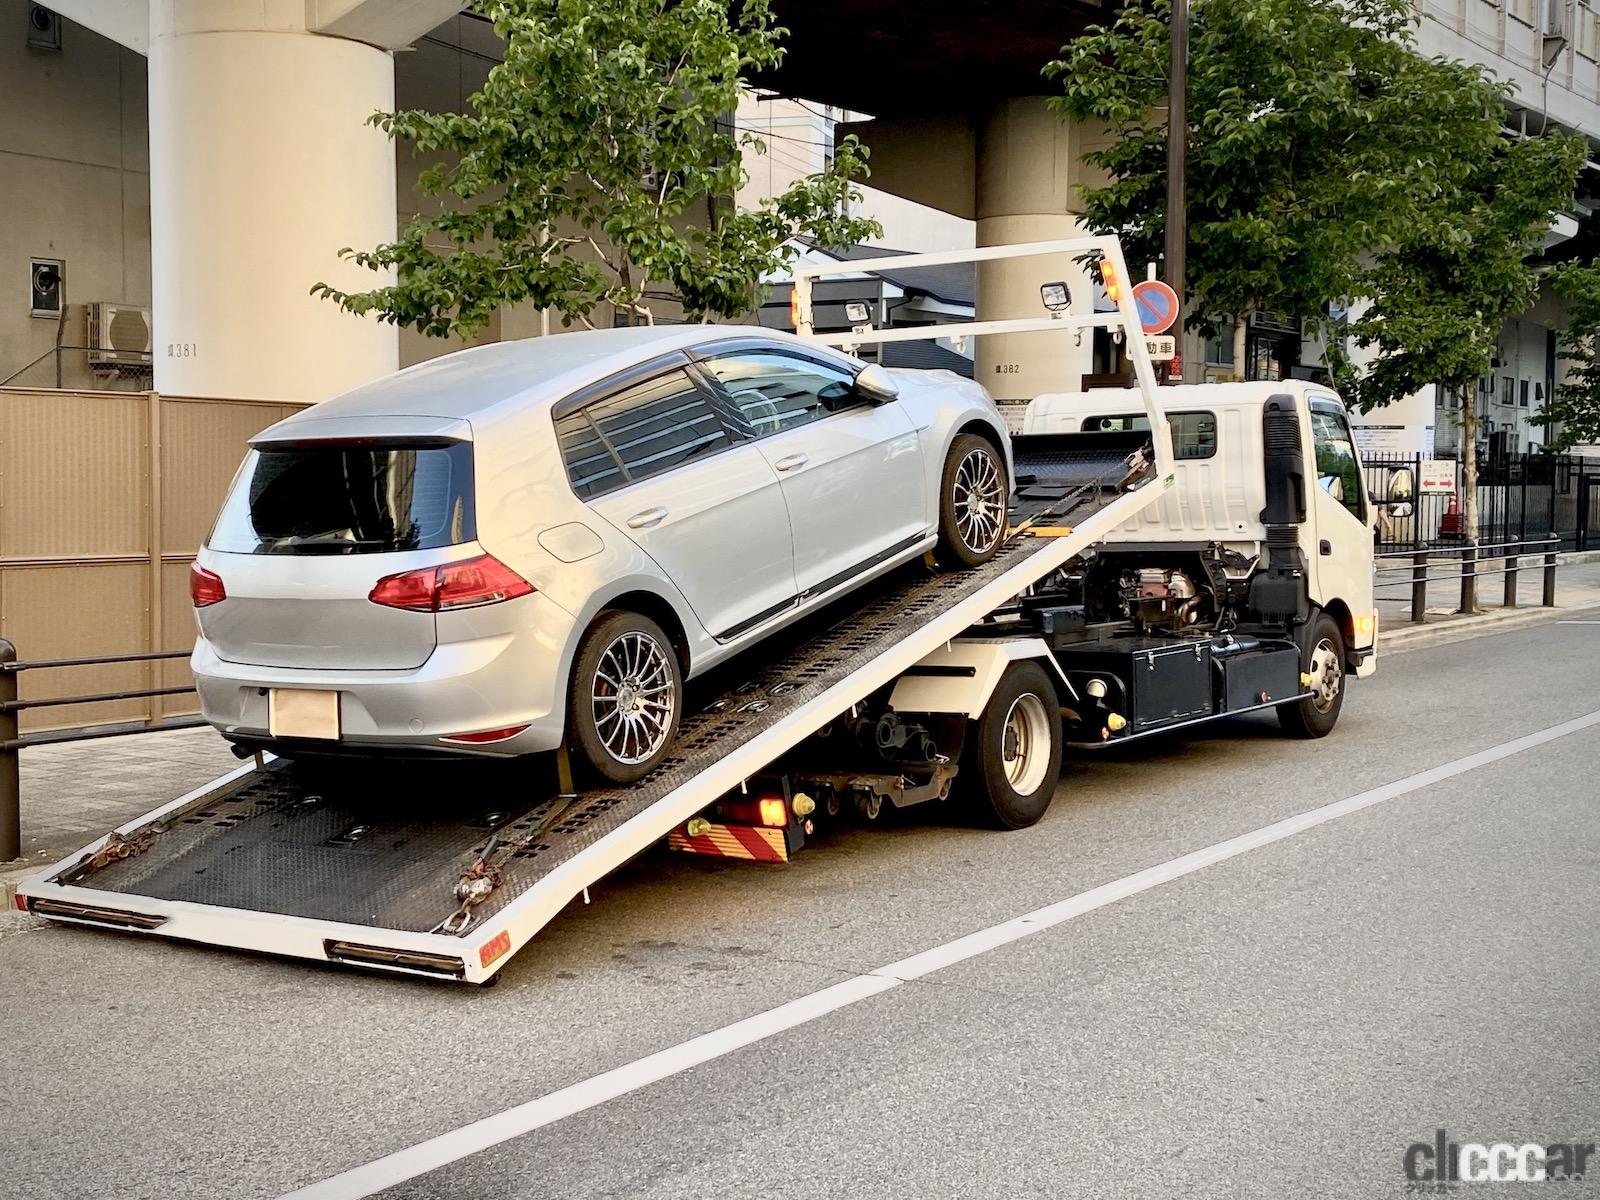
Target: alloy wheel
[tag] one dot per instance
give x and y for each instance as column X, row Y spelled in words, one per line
column 978, row 498
column 634, row 698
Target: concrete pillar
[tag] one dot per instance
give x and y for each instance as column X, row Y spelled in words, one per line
column 1028, row 163
column 262, row 166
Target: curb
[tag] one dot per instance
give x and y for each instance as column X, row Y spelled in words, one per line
column 1490, row 622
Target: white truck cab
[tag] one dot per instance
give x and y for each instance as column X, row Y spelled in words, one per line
column 1210, row 530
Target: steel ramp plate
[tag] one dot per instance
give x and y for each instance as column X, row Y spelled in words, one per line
column 385, row 849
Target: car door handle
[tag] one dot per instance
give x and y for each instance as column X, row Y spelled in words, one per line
column 647, row 519
column 792, row 463
column 1326, row 546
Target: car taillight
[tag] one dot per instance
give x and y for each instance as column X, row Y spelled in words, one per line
column 469, row 584
column 205, row 587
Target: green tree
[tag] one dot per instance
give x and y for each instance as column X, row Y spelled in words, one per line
column 1440, row 295
column 1316, row 134
column 589, row 168
column 1576, row 403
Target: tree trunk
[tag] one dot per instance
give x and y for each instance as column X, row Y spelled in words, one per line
column 1241, row 327
column 1469, row 486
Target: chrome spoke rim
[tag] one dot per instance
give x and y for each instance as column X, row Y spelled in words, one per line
column 979, row 500
column 1327, row 676
column 633, row 698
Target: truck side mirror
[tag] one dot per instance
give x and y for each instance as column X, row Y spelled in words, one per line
column 1400, row 486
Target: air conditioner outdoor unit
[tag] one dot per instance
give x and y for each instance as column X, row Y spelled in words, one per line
column 119, row 335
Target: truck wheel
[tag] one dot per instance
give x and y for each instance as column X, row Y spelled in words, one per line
column 1013, row 753
column 625, row 697
column 973, row 493
column 1323, row 660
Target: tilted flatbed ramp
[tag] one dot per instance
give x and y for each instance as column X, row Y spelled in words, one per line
column 261, row 860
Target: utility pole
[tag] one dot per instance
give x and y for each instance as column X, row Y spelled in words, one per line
column 1177, row 136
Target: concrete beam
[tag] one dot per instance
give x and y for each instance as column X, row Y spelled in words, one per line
column 387, row 24
column 126, row 22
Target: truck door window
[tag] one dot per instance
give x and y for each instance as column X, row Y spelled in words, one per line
column 1338, row 470
column 772, row 391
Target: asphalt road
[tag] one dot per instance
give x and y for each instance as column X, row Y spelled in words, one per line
column 1285, row 1021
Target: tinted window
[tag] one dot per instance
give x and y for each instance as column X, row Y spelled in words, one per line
column 639, row 432
column 1194, row 434
column 361, row 498
column 1338, row 472
column 772, row 391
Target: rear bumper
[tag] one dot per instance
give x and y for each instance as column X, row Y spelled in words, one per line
column 491, row 682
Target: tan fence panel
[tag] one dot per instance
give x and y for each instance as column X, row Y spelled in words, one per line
column 98, row 524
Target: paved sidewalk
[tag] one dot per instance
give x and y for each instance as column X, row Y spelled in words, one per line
column 74, row 792
column 1577, row 586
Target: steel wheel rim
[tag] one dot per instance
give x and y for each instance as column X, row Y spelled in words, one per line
column 633, row 698
column 1025, row 749
column 979, row 500
column 1327, row 676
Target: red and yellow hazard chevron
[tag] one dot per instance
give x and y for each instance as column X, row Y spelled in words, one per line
column 733, row 841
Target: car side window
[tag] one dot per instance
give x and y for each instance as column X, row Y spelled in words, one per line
column 638, row 432
column 1337, row 471
column 771, row 391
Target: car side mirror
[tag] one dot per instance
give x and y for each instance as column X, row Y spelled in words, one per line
column 876, row 384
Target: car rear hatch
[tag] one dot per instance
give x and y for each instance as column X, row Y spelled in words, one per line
column 322, row 510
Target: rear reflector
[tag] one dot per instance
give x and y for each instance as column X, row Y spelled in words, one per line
column 414, row 961
column 470, row 584
column 205, row 587
column 487, row 735
column 93, row 914
column 21, row 901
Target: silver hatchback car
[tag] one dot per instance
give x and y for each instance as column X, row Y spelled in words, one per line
column 534, row 543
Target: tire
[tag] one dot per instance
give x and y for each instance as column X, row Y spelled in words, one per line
column 1022, row 720
column 973, row 493
column 1321, row 657
column 624, row 655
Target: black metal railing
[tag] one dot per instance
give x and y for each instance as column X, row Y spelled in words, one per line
column 1519, row 496
column 1414, row 569
column 12, row 742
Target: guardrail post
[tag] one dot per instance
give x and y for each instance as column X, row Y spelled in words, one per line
column 1550, row 572
column 10, row 772
column 1512, row 561
column 1419, row 586
column 1469, row 578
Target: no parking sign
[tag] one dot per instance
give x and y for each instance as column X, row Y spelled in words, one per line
column 1157, row 305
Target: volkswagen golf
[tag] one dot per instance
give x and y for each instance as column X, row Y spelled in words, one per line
column 533, row 544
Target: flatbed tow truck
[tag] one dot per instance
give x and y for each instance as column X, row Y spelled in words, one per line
column 924, row 687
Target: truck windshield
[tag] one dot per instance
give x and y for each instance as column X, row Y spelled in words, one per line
column 348, row 498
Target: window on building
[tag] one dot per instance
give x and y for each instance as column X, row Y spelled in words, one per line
column 1522, row 397
column 639, row 432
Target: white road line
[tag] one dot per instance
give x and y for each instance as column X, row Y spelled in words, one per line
column 1578, row 622
column 469, row 1139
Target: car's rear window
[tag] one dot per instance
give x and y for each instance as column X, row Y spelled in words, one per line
column 349, row 498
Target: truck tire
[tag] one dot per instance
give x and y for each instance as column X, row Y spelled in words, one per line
column 625, row 698
column 1012, row 759
column 973, row 494
column 1322, row 658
